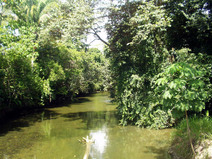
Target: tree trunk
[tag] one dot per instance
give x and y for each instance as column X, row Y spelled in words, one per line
column 189, row 136
column 128, row 7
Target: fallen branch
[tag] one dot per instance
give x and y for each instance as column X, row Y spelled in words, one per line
column 88, row 143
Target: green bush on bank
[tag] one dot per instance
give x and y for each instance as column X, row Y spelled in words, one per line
column 200, row 130
column 157, row 101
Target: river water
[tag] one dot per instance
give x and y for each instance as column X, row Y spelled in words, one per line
column 55, row 134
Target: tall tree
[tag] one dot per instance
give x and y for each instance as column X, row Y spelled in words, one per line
column 68, row 22
column 29, row 11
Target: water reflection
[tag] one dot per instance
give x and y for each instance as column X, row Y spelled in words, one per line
column 100, row 142
column 93, row 116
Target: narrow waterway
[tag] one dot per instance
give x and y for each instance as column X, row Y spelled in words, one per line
column 55, row 134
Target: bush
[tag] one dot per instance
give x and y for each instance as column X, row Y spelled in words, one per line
column 135, row 106
column 156, row 102
column 201, row 129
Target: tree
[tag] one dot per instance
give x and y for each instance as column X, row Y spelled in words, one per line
column 185, row 85
column 29, row 11
column 191, row 25
column 69, row 22
column 20, row 83
column 138, row 50
column 46, row 61
column 141, row 46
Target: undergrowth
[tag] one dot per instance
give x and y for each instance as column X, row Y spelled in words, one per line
column 200, row 129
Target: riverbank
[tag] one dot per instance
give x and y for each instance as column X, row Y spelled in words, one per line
column 201, row 135
column 14, row 112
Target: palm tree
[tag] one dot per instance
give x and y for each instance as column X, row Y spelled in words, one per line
column 29, row 11
column 34, row 10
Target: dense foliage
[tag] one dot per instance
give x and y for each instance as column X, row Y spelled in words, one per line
column 184, row 85
column 155, row 78
column 158, row 53
column 43, row 58
column 191, row 25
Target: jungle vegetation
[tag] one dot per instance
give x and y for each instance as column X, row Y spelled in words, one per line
column 160, row 60
column 160, row 63
column 43, row 57
column 156, row 63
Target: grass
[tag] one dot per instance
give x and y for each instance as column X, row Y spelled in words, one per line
column 200, row 129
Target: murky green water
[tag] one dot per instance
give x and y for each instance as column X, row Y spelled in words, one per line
column 55, row 134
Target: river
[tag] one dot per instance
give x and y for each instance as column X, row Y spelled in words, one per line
column 55, row 134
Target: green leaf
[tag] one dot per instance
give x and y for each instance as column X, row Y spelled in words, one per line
column 161, row 81
column 172, row 85
column 167, row 95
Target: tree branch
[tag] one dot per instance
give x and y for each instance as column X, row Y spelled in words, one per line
column 95, row 33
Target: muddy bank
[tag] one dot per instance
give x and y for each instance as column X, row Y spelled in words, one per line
column 203, row 150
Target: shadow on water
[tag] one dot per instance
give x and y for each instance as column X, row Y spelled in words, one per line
column 81, row 100
column 93, row 116
column 68, row 103
column 18, row 134
column 22, row 129
column 161, row 152
column 93, row 119
column 27, row 119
